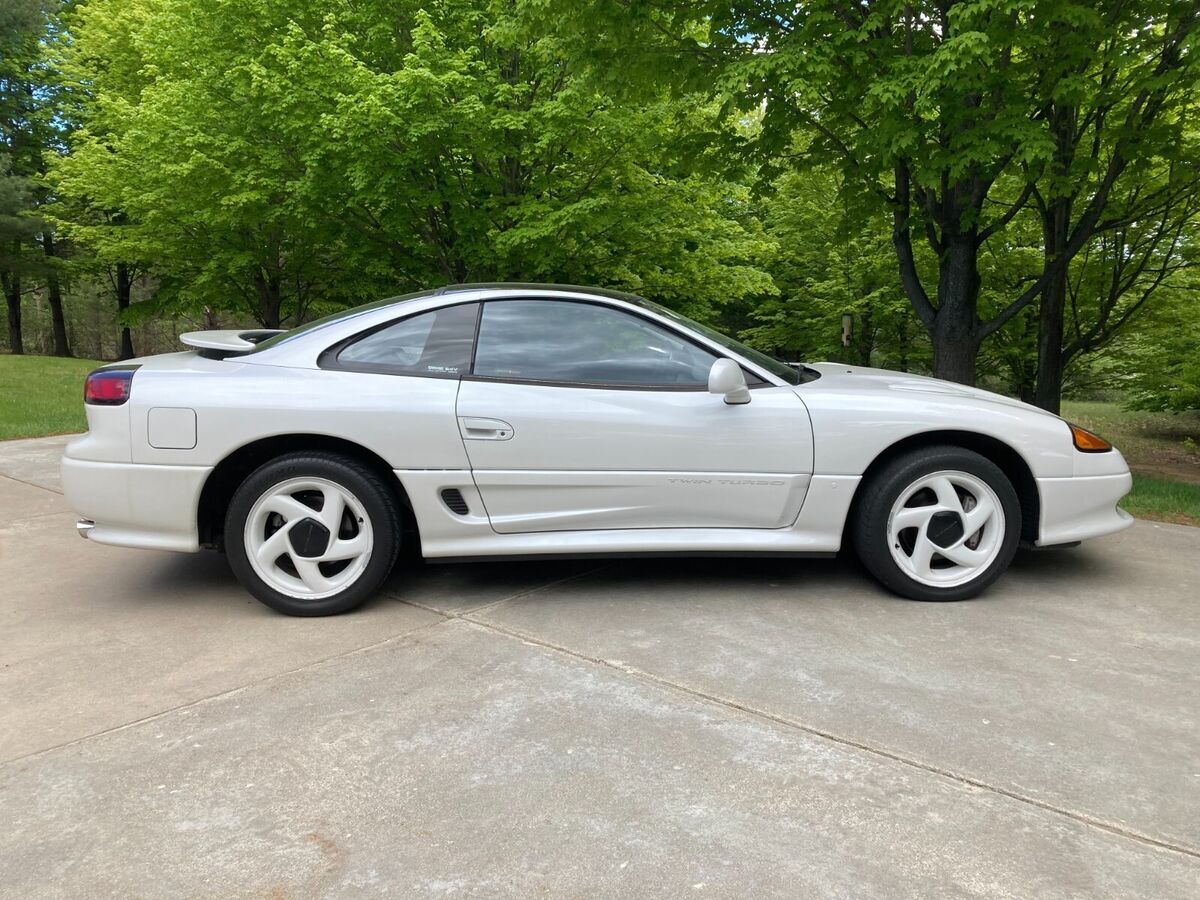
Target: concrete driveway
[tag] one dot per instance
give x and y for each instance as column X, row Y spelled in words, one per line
column 683, row 729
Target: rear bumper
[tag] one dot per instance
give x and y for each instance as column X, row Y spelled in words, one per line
column 131, row 505
column 1075, row 509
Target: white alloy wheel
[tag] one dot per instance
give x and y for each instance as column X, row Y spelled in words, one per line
column 308, row 538
column 946, row 528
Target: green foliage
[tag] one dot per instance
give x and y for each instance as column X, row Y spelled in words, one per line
column 19, row 18
column 936, row 111
column 15, row 200
column 270, row 157
column 173, row 168
column 1160, row 363
column 831, row 262
column 765, row 166
column 21, row 21
column 32, row 124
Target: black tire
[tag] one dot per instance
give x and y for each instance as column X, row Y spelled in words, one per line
column 377, row 500
column 869, row 530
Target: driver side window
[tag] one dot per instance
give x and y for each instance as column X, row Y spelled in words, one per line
column 566, row 342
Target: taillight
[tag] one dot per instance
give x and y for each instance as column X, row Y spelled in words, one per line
column 108, row 387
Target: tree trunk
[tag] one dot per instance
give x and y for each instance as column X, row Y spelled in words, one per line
column 124, row 297
column 62, row 346
column 1056, row 223
column 902, row 340
column 1051, row 365
column 954, row 332
column 1056, row 232
column 12, row 294
column 1023, row 364
column 270, row 302
column 865, row 344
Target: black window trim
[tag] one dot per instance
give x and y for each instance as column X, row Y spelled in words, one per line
column 757, row 382
column 593, row 385
column 328, row 358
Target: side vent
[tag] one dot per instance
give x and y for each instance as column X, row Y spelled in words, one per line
column 453, row 498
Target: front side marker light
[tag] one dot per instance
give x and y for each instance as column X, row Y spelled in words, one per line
column 1088, row 442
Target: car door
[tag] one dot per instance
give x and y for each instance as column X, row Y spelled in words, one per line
column 581, row 415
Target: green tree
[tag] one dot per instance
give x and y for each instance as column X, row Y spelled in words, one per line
column 15, row 231
column 830, row 263
column 1134, row 263
column 267, row 157
column 179, row 165
column 1158, row 366
column 929, row 105
column 33, row 124
column 1146, row 273
column 21, row 22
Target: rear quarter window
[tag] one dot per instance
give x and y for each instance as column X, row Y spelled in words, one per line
column 435, row 344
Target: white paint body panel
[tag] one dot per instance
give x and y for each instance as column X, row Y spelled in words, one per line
column 582, row 458
column 572, row 500
column 1081, row 507
column 136, row 505
column 584, row 470
column 858, row 412
column 444, row 534
column 408, row 422
column 171, row 428
column 216, row 340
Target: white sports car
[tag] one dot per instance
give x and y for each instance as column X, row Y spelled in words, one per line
column 485, row 421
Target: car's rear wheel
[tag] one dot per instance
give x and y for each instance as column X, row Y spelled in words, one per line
column 312, row 534
column 941, row 523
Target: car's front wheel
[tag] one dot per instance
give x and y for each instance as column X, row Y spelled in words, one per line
column 312, row 534
column 940, row 523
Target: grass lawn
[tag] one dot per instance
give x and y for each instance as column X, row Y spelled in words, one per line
column 1163, row 449
column 41, row 395
column 1164, row 500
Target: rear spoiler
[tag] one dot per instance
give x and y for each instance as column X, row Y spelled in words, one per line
column 228, row 341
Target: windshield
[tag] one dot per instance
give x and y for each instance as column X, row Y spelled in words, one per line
column 339, row 316
column 776, row 367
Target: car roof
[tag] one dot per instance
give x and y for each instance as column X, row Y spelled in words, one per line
column 509, row 286
column 296, row 347
column 370, row 313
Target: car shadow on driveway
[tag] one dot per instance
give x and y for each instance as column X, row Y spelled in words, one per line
column 1054, row 565
column 192, row 580
column 737, row 574
column 457, row 588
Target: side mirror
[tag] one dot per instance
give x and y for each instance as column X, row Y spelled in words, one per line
column 725, row 377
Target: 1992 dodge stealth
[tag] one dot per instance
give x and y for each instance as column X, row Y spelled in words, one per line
column 487, row 421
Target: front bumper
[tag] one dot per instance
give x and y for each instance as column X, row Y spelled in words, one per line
column 132, row 505
column 1082, row 507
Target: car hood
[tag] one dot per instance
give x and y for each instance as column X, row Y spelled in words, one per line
column 868, row 380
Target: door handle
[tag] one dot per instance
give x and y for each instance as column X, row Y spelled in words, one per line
column 473, row 429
